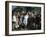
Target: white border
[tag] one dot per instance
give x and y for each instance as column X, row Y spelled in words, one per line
column 26, row 31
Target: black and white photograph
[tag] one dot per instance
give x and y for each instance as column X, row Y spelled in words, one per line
column 25, row 18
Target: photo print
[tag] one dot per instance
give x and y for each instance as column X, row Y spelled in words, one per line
column 24, row 18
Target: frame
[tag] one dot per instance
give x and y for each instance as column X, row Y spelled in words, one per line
column 26, row 8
